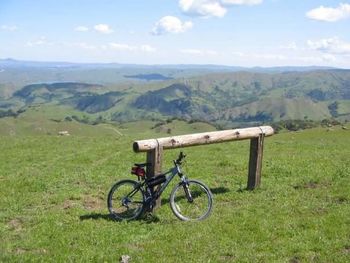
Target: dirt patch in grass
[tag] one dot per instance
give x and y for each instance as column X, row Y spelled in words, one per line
column 311, row 185
column 319, row 211
column 227, row 258
column 135, row 246
column 15, row 224
column 295, row 259
column 68, row 204
column 19, row 251
column 40, row 251
column 346, row 249
column 94, row 203
column 341, row 200
column 89, row 202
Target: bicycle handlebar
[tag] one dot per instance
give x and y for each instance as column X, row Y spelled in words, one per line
column 180, row 158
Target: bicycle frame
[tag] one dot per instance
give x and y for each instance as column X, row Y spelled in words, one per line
column 176, row 170
column 173, row 171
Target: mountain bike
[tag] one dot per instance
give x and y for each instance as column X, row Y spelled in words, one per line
column 189, row 199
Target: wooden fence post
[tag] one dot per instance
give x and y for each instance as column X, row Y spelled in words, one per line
column 155, row 158
column 255, row 161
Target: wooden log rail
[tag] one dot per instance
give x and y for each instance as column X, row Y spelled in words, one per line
column 201, row 138
column 155, row 147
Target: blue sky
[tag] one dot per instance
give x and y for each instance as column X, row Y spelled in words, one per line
column 226, row 32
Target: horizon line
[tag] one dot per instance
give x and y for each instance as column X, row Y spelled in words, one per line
column 169, row 64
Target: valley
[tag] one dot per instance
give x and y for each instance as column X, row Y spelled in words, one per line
column 223, row 98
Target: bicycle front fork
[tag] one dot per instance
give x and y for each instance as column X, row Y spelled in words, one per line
column 185, row 185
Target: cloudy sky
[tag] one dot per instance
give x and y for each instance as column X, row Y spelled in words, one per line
column 226, row 32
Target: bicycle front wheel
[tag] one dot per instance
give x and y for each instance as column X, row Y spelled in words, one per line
column 126, row 200
column 191, row 201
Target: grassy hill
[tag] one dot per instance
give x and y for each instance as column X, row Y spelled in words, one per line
column 48, row 120
column 243, row 98
column 54, row 189
column 246, row 97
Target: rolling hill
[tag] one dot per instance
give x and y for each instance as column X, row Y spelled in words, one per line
column 253, row 97
column 226, row 98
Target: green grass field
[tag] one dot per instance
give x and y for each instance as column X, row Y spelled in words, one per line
column 54, row 189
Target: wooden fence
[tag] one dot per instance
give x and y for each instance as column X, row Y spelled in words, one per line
column 155, row 147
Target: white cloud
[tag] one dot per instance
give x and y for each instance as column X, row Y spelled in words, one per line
column 9, row 28
column 238, row 54
column 130, row 48
column 83, row 45
column 329, row 58
column 290, row 46
column 199, row 52
column 81, row 29
column 38, row 42
column 241, row 2
column 330, row 14
column 147, row 48
column 191, row 51
column 171, row 24
column 103, row 28
column 204, row 8
column 121, row 47
column 331, row 45
column 212, row 8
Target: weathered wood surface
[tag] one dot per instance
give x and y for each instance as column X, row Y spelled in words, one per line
column 155, row 158
column 255, row 162
column 202, row 138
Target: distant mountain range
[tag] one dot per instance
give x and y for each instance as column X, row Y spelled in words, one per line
column 13, row 63
column 216, row 94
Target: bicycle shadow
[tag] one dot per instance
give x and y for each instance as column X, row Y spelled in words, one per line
column 96, row 216
column 146, row 218
column 219, row 190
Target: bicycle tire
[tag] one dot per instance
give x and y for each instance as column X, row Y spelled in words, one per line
column 124, row 207
column 201, row 206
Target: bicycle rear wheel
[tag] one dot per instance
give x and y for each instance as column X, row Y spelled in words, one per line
column 192, row 203
column 126, row 200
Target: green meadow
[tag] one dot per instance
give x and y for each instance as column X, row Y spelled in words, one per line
column 54, row 190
